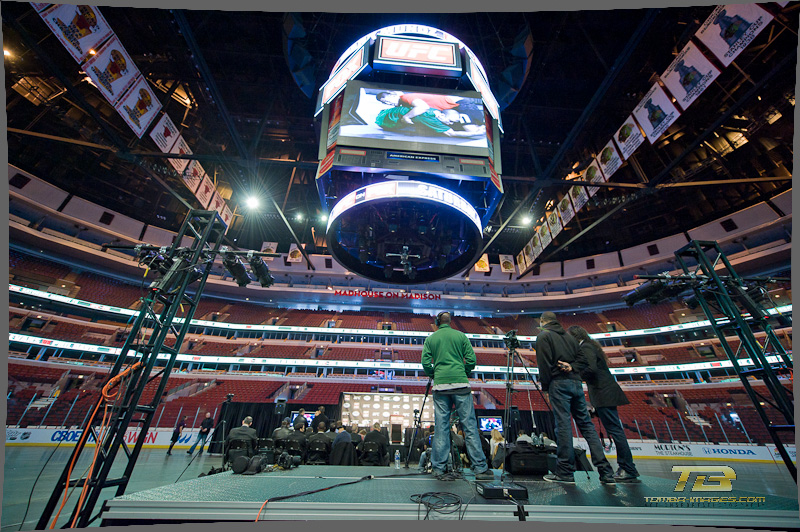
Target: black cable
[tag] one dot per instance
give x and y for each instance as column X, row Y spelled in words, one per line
column 195, row 455
column 284, row 497
column 437, row 501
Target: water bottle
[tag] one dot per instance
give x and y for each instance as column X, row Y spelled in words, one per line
column 397, row 459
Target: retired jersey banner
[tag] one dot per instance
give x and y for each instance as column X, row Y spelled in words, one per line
column 531, row 249
column 609, row 160
column 593, row 174
column 565, row 210
column 139, row 106
column 506, row 263
column 111, row 70
column 205, row 191
column 579, row 197
column 79, row 28
column 689, row 75
column 165, row 133
column 483, row 264
column 554, row 223
column 193, row 175
column 655, row 113
column 181, row 148
column 628, row 138
column 269, row 247
column 544, row 235
column 295, row 255
column 729, row 29
column 521, row 263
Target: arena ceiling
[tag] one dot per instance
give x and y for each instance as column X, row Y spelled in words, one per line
column 224, row 79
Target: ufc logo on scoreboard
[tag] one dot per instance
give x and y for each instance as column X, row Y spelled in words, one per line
column 721, row 475
column 418, row 51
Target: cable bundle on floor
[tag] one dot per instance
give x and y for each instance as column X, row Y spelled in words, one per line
column 439, row 502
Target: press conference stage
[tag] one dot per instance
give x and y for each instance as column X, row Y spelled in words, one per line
column 389, row 496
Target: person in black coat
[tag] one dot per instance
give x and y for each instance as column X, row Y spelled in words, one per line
column 245, row 433
column 556, row 350
column 322, row 436
column 605, row 395
column 319, row 417
column 299, row 434
column 383, row 445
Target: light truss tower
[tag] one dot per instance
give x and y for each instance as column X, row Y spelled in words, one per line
column 179, row 267
column 725, row 300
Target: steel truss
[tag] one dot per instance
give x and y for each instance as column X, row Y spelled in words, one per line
column 731, row 308
column 179, row 267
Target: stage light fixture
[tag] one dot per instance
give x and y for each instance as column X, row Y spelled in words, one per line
column 234, row 265
column 526, row 220
column 299, row 217
column 252, row 202
column 260, row 270
column 323, row 217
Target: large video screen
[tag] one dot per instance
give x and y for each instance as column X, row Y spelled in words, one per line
column 402, row 118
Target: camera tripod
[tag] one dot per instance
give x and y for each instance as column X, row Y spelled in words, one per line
column 418, row 421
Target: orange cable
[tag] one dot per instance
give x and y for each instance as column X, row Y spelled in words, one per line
column 105, row 396
column 260, row 510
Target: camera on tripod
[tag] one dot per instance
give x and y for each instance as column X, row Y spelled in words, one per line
column 511, row 340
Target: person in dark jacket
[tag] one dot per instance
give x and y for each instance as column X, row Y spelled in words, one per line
column 383, row 446
column 300, row 420
column 205, row 429
column 354, row 435
column 320, row 435
column 299, row 434
column 245, row 433
column 319, row 417
column 176, row 433
column 282, row 431
column 564, row 392
column 605, row 395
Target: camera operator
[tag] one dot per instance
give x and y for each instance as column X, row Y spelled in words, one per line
column 448, row 357
column 605, row 395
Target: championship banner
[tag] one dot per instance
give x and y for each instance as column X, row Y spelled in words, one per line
column 165, row 133
column 593, row 174
column 295, row 255
column 227, row 215
column 335, row 120
column 79, row 28
column 565, row 210
column 655, row 113
column 139, row 106
column 544, row 235
column 181, row 148
column 111, row 70
column 729, row 29
column 193, row 175
column 216, row 203
column 521, row 263
column 628, row 138
column 554, row 223
column 269, row 247
column 579, row 197
column 483, row 264
column 689, row 75
column 609, row 160
column 205, row 191
column 506, row 263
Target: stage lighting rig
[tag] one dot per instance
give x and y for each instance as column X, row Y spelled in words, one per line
column 260, row 270
column 234, row 265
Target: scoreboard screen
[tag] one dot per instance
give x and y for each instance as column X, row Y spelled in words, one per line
column 402, row 118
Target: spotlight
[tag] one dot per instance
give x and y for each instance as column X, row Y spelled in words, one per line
column 648, row 290
column 526, row 220
column 261, row 270
column 299, row 217
column 323, row 217
column 252, row 202
column 235, row 267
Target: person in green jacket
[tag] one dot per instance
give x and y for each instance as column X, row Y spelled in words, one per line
column 448, row 357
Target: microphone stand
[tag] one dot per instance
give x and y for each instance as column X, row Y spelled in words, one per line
column 418, row 422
